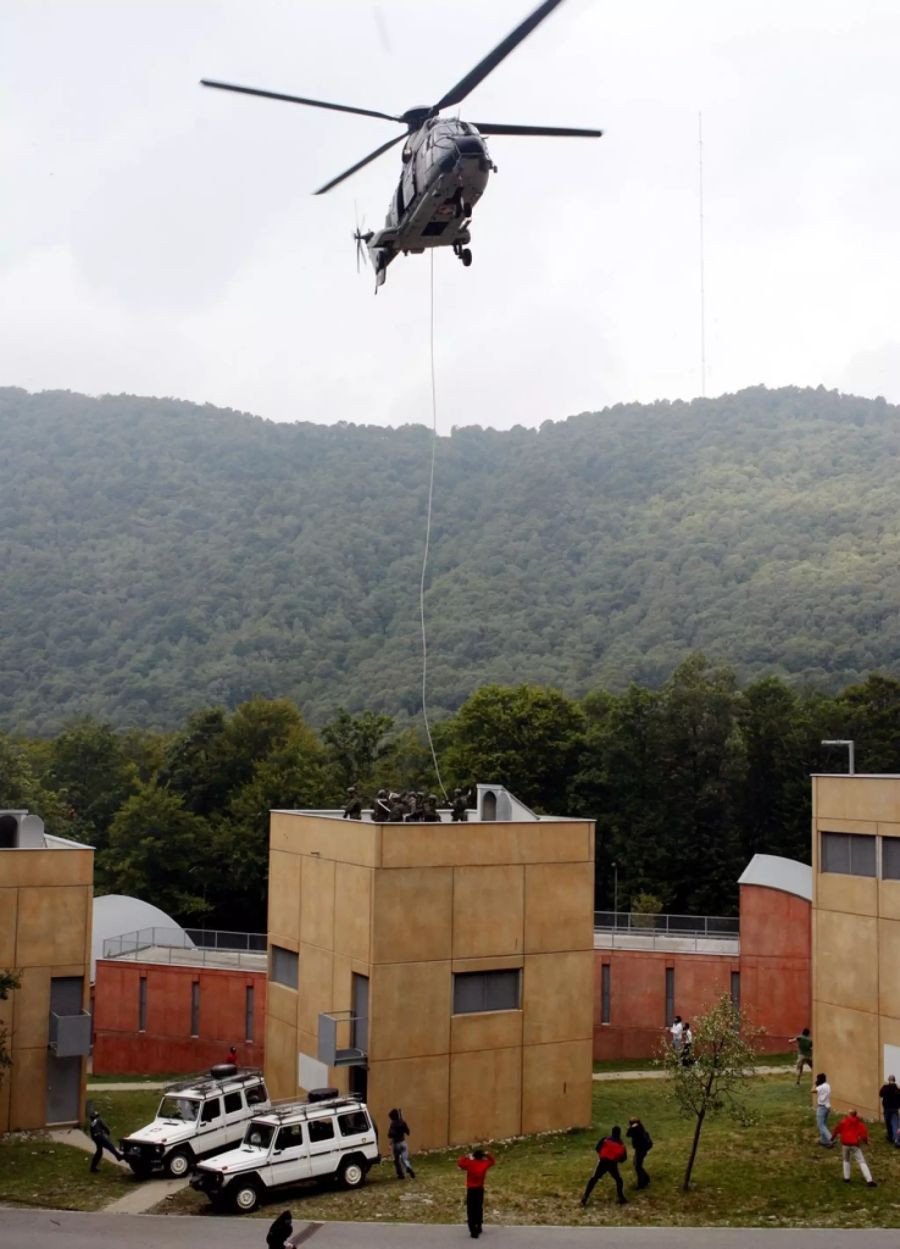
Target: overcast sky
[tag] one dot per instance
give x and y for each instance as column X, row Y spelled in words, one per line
column 159, row 238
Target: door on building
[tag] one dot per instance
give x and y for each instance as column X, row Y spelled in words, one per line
column 359, row 1033
column 64, row 1074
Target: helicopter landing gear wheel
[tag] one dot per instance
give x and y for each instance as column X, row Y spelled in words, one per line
column 466, row 257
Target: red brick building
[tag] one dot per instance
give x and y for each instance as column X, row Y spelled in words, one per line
column 161, row 1006
column 643, row 977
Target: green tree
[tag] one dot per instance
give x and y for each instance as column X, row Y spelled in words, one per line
column 196, row 764
column 9, row 980
column 869, row 714
column 528, row 738
column 716, row 1075
column 357, row 745
column 160, row 852
column 89, row 771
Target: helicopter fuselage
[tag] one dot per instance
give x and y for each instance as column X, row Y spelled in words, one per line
column 446, row 167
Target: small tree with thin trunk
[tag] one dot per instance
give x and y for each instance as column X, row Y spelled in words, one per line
column 9, row 980
column 715, row 1075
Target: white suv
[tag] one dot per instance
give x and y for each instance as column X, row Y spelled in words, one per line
column 196, row 1118
column 333, row 1139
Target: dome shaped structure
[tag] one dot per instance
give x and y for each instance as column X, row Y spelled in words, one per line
column 115, row 915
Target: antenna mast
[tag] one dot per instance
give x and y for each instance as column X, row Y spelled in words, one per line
column 702, row 259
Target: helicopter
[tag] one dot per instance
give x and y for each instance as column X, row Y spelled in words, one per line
column 446, row 164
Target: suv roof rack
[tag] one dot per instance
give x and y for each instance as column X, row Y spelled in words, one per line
column 290, row 1107
column 203, row 1082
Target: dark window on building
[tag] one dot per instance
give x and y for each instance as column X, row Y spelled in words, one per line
column 211, row 1110
column 249, row 1013
column 604, row 992
column 195, row 1008
column 142, row 1004
column 359, row 1006
column 353, row 1123
column 320, row 1130
column 475, row 991
column 285, row 967
column 736, row 990
column 233, row 1103
column 850, row 854
column 890, row 858
column 670, row 996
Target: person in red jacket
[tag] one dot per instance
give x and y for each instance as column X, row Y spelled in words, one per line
column 610, row 1152
column 852, row 1133
column 476, row 1166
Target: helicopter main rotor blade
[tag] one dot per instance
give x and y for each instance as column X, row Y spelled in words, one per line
column 359, row 164
column 458, row 93
column 296, row 99
column 555, row 132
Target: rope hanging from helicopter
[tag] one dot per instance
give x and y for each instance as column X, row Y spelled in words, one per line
column 434, row 439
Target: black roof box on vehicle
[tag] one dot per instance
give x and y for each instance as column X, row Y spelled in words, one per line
column 322, row 1095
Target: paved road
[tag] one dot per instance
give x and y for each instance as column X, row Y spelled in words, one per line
column 26, row 1229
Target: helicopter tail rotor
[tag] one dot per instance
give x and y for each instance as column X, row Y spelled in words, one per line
column 362, row 236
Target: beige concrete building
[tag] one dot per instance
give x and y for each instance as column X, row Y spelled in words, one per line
column 856, row 936
column 444, row 968
column 46, row 890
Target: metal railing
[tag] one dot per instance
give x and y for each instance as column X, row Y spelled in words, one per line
column 206, row 947
column 637, row 924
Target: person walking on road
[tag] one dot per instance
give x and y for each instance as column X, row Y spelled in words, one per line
column 890, row 1105
column 100, row 1136
column 610, row 1152
column 823, row 1109
column 641, row 1144
column 281, row 1231
column 397, row 1133
column 804, row 1052
column 476, row 1166
column 853, row 1133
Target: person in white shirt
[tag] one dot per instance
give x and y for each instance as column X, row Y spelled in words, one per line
column 677, row 1031
column 823, row 1108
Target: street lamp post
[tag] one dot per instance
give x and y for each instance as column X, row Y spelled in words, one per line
column 615, row 868
column 851, row 761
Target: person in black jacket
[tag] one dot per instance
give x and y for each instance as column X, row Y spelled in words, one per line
column 280, row 1230
column 397, row 1133
column 641, row 1144
column 890, row 1105
column 100, row 1136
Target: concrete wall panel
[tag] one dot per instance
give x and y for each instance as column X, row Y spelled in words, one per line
column 857, row 895
column 31, row 1009
column 420, row 1087
column 316, row 983
column 283, row 1003
column 413, row 913
column 889, row 899
column 317, row 903
column 499, row 1029
column 353, row 911
column 281, row 1058
column 409, row 1009
column 846, row 968
column 557, row 997
column 485, row 1095
column 846, row 1049
column 488, row 911
column 556, row 1086
column 9, row 902
column 49, row 869
column 467, row 845
column 28, row 1092
column 559, row 907
column 342, row 841
column 51, row 924
column 284, row 897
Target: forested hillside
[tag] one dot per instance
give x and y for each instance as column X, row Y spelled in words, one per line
column 159, row 556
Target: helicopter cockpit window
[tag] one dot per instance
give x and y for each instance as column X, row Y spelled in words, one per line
column 465, row 127
column 406, row 154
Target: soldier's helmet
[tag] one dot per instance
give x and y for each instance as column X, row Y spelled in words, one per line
column 382, row 793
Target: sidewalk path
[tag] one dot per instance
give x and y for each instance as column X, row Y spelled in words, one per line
column 81, row 1140
column 128, row 1086
column 58, row 1229
column 145, row 1195
column 661, row 1075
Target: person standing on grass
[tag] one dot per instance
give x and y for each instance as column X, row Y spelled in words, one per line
column 804, row 1052
column 823, row 1109
column 641, row 1144
column 100, row 1136
column 476, row 1166
column 853, row 1133
column 397, row 1133
column 890, row 1105
column 687, row 1045
column 677, row 1031
column 610, row 1152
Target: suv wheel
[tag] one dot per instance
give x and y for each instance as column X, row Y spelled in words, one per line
column 352, row 1173
column 177, row 1164
column 244, row 1196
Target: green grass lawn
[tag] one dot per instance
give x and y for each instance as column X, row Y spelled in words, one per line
column 771, row 1175
column 37, row 1171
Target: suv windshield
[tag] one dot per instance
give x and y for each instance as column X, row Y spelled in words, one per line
column 259, row 1135
column 183, row 1108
